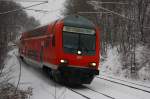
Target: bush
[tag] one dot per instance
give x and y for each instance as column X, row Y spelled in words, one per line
column 8, row 91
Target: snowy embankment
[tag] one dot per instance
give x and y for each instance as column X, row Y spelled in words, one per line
column 111, row 66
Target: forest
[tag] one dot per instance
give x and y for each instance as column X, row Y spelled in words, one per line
column 11, row 26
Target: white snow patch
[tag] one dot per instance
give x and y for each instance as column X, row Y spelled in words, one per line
column 112, row 63
column 143, row 59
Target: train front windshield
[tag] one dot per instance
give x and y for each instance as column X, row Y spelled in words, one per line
column 79, row 41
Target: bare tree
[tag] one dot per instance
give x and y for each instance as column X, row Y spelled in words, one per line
column 11, row 24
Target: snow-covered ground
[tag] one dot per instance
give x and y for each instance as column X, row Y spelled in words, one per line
column 31, row 76
column 44, row 88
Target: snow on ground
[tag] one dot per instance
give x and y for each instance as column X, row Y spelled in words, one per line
column 32, row 76
column 118, row 91
column 128, row 82
column 44, row 88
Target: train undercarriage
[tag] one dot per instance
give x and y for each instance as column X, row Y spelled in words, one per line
column 72, row 75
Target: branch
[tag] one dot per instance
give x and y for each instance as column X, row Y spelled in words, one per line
column 120, row 3
column 7, row 12
column 24, row 0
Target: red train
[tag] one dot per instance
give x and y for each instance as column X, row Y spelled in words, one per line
column 67, row 48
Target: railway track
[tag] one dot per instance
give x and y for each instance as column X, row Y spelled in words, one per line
column 85, row 96
column 100, row 93
column 127, row 81
column 123, row 84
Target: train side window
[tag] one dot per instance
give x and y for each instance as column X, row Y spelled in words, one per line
column 53, row 31
column 47, row 42
column 53, row 41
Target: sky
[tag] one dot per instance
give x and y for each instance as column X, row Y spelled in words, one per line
column 54, row 8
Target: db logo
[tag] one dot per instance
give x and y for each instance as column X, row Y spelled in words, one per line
column 79, row 57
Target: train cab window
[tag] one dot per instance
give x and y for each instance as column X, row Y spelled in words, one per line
column 79, row 39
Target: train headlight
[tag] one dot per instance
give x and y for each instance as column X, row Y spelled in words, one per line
column 93, row 64
column 63, row 61
column 79, row 52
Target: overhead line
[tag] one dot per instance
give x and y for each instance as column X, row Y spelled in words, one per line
column 46, row 11
column 37, row 10
column 146, row 27
column 7, row 12
column 24, row 0
column 93, row 12
column 121, row 3
column 115, row 13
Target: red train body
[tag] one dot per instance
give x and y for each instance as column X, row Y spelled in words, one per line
column 68, row 49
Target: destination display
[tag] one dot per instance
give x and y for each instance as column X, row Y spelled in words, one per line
column 78, row 30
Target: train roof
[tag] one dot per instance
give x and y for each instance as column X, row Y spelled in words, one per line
column 71, row 20
column 78, row 21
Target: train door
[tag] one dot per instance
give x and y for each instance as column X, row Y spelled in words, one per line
column 52, row 45
column 41, row 52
